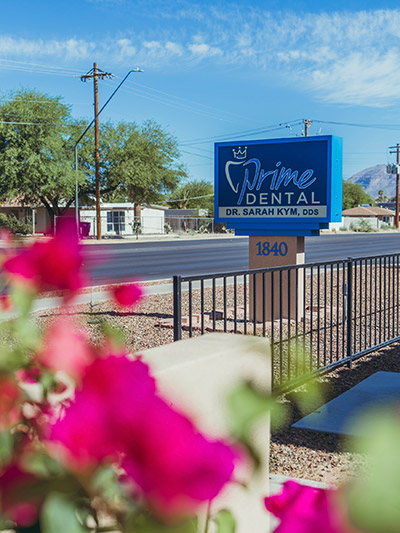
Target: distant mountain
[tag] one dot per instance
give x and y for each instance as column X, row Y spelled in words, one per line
column 375, row 179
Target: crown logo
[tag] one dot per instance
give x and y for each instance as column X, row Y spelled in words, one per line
column 239, row 153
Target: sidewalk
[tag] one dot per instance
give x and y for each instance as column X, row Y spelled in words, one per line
column 133, row 238
column 91, row 295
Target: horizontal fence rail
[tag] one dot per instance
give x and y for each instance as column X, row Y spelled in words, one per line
column 317, row 315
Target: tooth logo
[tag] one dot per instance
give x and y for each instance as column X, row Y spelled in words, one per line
column 228, row 176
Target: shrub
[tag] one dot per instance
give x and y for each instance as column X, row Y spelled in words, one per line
column 365, row 225
column 16, row 226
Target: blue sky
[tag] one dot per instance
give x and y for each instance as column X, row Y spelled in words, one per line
column 213, row 70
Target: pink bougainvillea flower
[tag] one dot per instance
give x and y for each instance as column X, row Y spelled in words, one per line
column 6, row 236
column 18, row 502
column 66, row 347
column 29, row 375
column 10, row 402
column 112, row 388
column 127, row 295
column 304, row 509
column 50, row 265
column 118, row 413
column 5, row 302
column 176, row 467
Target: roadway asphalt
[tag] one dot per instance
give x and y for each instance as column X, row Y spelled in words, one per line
column 151, row 260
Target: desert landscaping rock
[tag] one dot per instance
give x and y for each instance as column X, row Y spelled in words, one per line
column 294, row 452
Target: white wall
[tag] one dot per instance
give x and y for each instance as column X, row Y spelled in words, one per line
column 151, row 219
column 335, row 226
column 355, row 221
column 196, row 375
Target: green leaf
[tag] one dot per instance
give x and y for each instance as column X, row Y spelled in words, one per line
column 147, row 523
column 374, row 498
column 22, row 298
column 59, row 515
column 42, row 465
column 225, row 521
column 7, row 360
column 115, row 335
column 246, row 405
column 6, row 447
column 27, row 333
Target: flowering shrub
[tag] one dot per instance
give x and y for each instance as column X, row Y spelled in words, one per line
column 87, row 443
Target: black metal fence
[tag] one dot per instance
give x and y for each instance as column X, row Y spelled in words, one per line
column 317, row 315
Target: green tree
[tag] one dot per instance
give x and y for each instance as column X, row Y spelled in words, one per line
column 37, row 139
column 354, row 195
column 193, row 195
column 141, row 163
column 35, row 156
column 381, row 196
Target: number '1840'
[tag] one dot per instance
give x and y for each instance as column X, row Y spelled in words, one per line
column 264, row 248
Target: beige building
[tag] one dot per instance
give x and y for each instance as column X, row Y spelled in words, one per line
column 376, row 216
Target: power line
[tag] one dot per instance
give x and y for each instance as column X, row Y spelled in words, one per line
column 169, row 95
column 360, row 125
column 24, row 100
column 38, row 71
column 25, row 123
column 176, row 105
column 265, row 129
column 187, row 199
column 198, row 155
column 37, row 65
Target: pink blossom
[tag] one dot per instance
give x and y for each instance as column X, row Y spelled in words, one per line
column 175, row 466
column 66, row 347
column 304, row 509
column 18, row 501
column 10, row 399
column 117, row 412
column 29, row 375
column 127, row 295
column 5, row 302
column 55, row 264
column 112, row 388
column 6, row 236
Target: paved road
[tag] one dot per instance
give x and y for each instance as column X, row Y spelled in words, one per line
column 162, row 259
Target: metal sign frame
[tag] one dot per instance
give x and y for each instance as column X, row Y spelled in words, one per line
column 290, row 186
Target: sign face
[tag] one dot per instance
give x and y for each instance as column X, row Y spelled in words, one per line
column 279, row 183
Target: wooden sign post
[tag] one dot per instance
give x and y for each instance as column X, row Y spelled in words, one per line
column 287, row 289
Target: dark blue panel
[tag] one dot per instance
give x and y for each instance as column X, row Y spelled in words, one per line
column 279, row 183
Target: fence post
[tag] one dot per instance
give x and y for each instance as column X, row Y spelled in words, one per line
column 349, row 310
column 177, row 308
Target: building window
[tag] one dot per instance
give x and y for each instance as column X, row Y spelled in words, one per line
column 116, row 221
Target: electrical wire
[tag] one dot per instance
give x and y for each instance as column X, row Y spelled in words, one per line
column 165, row 101
column 187, row 199
column 360, row 125
column 169, row 95
column 198, row 155
column 50, row 72
column 23, row 64
column 25, row 123
column 258, row 131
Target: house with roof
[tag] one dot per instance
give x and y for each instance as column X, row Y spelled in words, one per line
column 375, row 215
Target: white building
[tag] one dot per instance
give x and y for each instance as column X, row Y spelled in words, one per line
column 118, row 219
column 376, row 216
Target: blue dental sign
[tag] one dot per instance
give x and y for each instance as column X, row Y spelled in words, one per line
column 279, row 186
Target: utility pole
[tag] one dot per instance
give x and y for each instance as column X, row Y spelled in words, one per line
column 96, row 73
column 397, row 152
column 306, row 124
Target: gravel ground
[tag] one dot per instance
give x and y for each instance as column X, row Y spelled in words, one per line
column 294, row 452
